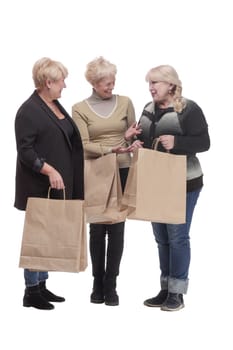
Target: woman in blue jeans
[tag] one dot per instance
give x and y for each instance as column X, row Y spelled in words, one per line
column 181, row 128
column 49, row 154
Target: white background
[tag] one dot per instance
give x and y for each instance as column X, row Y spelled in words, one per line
column 196, row 38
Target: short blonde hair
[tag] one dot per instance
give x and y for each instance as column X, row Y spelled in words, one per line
column 169, row 75
column 45, row 68
column 98, row 69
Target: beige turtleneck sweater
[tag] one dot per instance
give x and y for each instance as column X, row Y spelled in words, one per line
column 102, row 125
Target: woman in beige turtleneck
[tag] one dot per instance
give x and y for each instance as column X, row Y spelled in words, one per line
column 103, row 120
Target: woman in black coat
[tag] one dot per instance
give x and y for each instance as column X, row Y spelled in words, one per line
column 49, row 153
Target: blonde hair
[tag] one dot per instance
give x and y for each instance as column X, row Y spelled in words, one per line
column 169, row 75
column 98, row 69
column 45, row 68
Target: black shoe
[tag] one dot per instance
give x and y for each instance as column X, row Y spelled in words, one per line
column 158, row 300
column 33, row 298
column 174, row 302
column 49, row 296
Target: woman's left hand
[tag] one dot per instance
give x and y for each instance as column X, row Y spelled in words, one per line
column 134, row 130
column 167, row 141
column 136, row 144
column 131, row 148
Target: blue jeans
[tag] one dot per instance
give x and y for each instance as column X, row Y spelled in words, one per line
column 174, row 249
column 33, row 278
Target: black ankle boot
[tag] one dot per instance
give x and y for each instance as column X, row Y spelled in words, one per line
column 32, row 297
column 158, row 300
column 97, row 295
column 110, row 294
column 49, row 296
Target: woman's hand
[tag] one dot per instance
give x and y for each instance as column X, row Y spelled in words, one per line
column 136, row 144
column 131, row 148
column 167, row 141
column 134, row 130
column 55, row 179
column 120, row 149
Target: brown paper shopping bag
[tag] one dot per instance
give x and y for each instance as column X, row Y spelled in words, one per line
column 156, row 187
column 103, row 192
column 54, row 235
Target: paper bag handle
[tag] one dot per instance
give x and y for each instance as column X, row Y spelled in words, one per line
column 64, row 193
column 155, row 144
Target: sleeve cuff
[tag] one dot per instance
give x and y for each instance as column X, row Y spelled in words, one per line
column 108, row 151
column 38, row 164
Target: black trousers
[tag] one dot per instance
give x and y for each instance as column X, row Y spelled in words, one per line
column 107, row 243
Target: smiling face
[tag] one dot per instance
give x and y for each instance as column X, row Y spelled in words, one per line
column 161, row 92
column 56, row 87
column 104, row 87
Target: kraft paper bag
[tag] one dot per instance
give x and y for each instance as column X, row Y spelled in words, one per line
column 103, row 192
column 156, row 187
column 54, row 236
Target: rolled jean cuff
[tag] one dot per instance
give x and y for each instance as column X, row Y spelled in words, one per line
column 177, row 285
column 164, row 282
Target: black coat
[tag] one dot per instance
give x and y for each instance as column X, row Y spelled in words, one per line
column 40, row 138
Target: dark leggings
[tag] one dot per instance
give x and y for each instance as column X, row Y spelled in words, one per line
column 107, row 263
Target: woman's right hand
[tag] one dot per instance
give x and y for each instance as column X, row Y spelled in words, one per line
column 55, row 179
column 120, row 149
